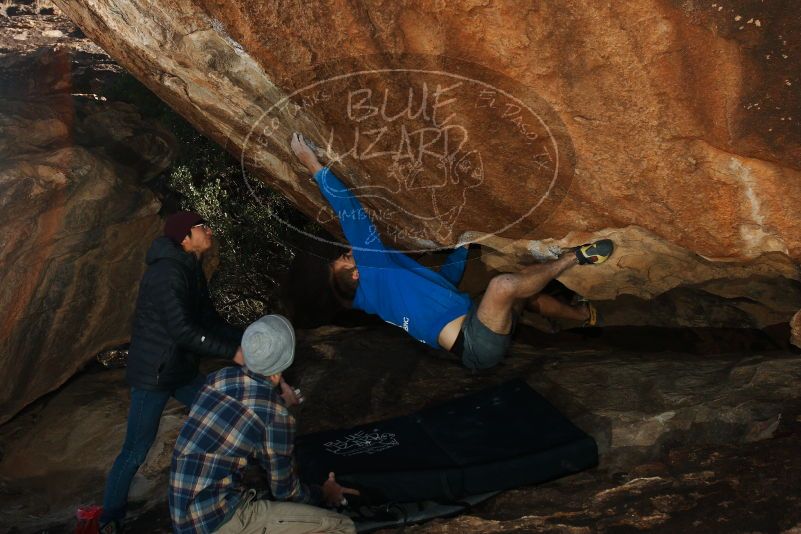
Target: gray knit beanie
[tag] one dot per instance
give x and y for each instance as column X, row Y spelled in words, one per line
column 269, row 345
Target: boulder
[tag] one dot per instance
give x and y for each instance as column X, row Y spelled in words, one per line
column 668, row 124
column 76, row 218
column 64, row 449
column 675, row 430
column 795, row 325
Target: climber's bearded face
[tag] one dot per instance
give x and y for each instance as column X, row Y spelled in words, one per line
column 345, row 276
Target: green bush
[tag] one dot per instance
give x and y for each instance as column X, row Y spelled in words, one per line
column 254, row 246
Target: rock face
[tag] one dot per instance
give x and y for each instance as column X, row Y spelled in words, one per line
column 671, row 125
column 795, row 325
column 680, row 435
column 65, row 465
column 75, row 219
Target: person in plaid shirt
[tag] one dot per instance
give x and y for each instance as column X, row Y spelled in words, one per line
column 240, row 417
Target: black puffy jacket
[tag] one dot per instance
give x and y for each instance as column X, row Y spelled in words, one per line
column 174, row 322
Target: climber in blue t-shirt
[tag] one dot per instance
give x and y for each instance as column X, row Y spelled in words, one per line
column 427, row 304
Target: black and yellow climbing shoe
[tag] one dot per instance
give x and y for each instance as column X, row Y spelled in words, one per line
column 593, row 315
column 594, row 253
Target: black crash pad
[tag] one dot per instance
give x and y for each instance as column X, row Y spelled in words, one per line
column 399, row 515
column 499, row 438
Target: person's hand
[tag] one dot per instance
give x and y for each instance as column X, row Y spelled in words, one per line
column 304, row 153
column 291, row 396
column 239, row 357
column 334, row 494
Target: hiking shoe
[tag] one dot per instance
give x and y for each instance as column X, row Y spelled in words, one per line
column 594, row 253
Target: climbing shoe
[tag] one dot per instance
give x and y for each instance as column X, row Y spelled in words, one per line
column 594, row 253
column 593, row 315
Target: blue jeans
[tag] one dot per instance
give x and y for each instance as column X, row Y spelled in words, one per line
column 143, row 424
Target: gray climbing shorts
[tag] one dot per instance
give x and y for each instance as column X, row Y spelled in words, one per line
column 478, row 346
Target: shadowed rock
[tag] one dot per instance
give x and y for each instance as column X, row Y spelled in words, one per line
column 647, row 408
column 75, row 220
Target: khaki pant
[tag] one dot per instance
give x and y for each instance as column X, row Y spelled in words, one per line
column 270, row 517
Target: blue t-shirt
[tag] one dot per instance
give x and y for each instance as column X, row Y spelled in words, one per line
column 392, row 285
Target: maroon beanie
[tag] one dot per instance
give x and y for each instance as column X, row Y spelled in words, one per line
column 178, row 225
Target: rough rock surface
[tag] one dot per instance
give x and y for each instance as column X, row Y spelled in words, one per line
column 795, row 325
column 671, row 125
column 63, row 446
column 75, row 214
column 682, row 438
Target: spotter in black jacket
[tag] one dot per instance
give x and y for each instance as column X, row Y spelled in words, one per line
column 174, row 323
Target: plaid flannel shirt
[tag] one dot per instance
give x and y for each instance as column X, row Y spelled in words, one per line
column 237, row 416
